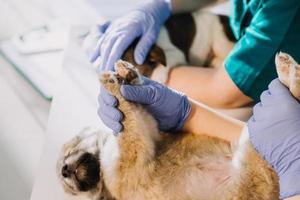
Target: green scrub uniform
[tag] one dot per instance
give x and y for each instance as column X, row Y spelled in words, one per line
column 262, row 28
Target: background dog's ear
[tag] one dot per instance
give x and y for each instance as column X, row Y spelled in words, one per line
column 157, row 55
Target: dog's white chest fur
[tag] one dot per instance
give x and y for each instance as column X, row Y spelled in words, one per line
column 239, row 154
column 109, row 156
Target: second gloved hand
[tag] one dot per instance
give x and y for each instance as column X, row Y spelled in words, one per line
column 275, row 133
column 170, row 108
column 144, row 23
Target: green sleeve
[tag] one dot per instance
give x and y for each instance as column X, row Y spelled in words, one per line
column 259, row 44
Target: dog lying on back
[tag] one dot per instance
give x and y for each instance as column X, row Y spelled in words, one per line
column 142, row 164
column 199, row 38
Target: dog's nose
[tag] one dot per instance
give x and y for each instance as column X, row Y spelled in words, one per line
column 66, row 172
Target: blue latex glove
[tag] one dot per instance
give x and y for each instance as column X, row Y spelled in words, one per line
column 144, row 22
column 275, row 133
column 108, row 112
column 169, row 107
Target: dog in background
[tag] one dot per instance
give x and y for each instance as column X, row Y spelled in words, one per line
column 199, row 39
column 143, row 164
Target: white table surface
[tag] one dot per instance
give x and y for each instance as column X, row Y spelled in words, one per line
column 74, row 107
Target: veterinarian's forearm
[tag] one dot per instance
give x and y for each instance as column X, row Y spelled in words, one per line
column 180, row 6
column 205, row 120
column 294, row 198
column 210, row 86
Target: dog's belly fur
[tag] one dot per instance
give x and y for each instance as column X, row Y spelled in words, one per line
column 186, row 167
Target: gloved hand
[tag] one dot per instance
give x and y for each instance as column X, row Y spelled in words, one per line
column 274, row 132
column 108, row 112
column 144, row 22
column 169, row 107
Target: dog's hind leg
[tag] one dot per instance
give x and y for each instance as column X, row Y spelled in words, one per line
column 289, row 72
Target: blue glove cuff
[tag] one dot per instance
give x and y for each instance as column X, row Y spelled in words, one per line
column 169, row 3
column 185, row 112
column 289, row 184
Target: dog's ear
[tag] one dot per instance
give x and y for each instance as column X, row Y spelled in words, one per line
column 157, row 55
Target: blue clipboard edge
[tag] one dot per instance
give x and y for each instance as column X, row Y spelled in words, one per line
column 25, row 76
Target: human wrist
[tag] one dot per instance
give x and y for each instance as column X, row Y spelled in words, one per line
column 159, row 9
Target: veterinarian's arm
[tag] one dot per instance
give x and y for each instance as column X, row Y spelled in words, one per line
column 251, row 62
column 179, row 6
column 203, row 119
column 249, row 67
column 212, row 87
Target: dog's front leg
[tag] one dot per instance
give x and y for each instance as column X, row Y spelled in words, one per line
column 136, row 142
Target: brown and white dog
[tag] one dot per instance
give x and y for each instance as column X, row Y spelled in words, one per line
column 142, row 164
column 199, row 39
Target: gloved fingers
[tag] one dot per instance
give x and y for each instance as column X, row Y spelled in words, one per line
column 118, row 49
column 99, row 50
column 101, row 31
column 276, row 87
column 96, row 53
column 107, row 98
column 103, row 27
column 254, row 127
column 251, row 121
column 144, row 94
column 114, row 125
column 143, row 47
column 265, row 97
column 105, row 51
column 260, row 112
column 110, row 112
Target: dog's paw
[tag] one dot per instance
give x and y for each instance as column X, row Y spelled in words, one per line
column 109, row 81
column 283, row 63
column 127, row 73
column 288, row 72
